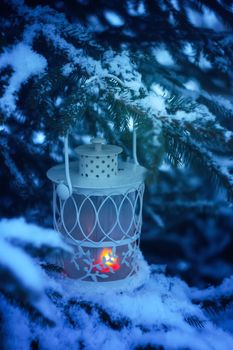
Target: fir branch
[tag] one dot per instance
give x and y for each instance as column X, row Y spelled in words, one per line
column 181, row 148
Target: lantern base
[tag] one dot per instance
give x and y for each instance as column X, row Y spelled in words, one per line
column 124, row 285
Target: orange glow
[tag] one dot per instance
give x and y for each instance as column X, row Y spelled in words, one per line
column 110, row 261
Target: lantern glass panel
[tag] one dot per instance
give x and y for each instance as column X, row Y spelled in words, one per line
column 100, row 218
column 103, row 264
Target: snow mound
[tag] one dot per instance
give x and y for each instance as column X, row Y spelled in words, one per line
column 150, row 311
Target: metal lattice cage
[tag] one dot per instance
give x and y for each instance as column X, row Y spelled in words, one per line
column 102, row 217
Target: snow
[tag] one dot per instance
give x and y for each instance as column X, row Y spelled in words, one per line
column 21, row 266
column 76, row 56
column 19, row 231
column 38, row 137
column 5, row 128
column 228, row 135
column 163, row 56
column 131, row 124
column 25, row 64
column 159, row 90
column 154, row 103
column 155, row 313
column 10, row 163
column 151, row 309
column 58, row 101
column 192, row 85
column 114, row 18
column 136, row 8
column 189, row 51
column 205, row 19
column 175, row 4
column 95, row 25
column 121, row 65
column 204, row 63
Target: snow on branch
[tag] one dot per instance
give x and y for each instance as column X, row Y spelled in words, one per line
column 25, row 63
column 19, row 232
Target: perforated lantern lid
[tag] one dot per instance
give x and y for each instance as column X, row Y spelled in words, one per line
column 98, row 170
column 97, row 160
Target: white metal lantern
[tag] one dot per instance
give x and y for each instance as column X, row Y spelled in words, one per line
column 97, row 206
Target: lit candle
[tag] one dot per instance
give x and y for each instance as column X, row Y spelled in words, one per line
column 108, row 261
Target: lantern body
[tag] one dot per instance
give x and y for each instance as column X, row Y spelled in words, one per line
column 102, row 218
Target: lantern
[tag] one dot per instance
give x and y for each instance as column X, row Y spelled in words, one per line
column 97, row 207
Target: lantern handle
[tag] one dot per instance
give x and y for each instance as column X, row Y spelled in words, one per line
column 66, row 138
column 135, row 158
column 67, row 166
column 134, row 127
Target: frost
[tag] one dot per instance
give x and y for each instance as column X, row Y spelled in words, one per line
column 163, row 56
column 114, row 18
column 25, row 63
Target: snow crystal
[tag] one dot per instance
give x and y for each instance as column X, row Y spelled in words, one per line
column 163, row 56
column 25, row 63
column 114, row 18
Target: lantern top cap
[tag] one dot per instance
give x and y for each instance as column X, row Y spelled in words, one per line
column 98, row 148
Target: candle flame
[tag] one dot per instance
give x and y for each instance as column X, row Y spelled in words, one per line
column 108, row 261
